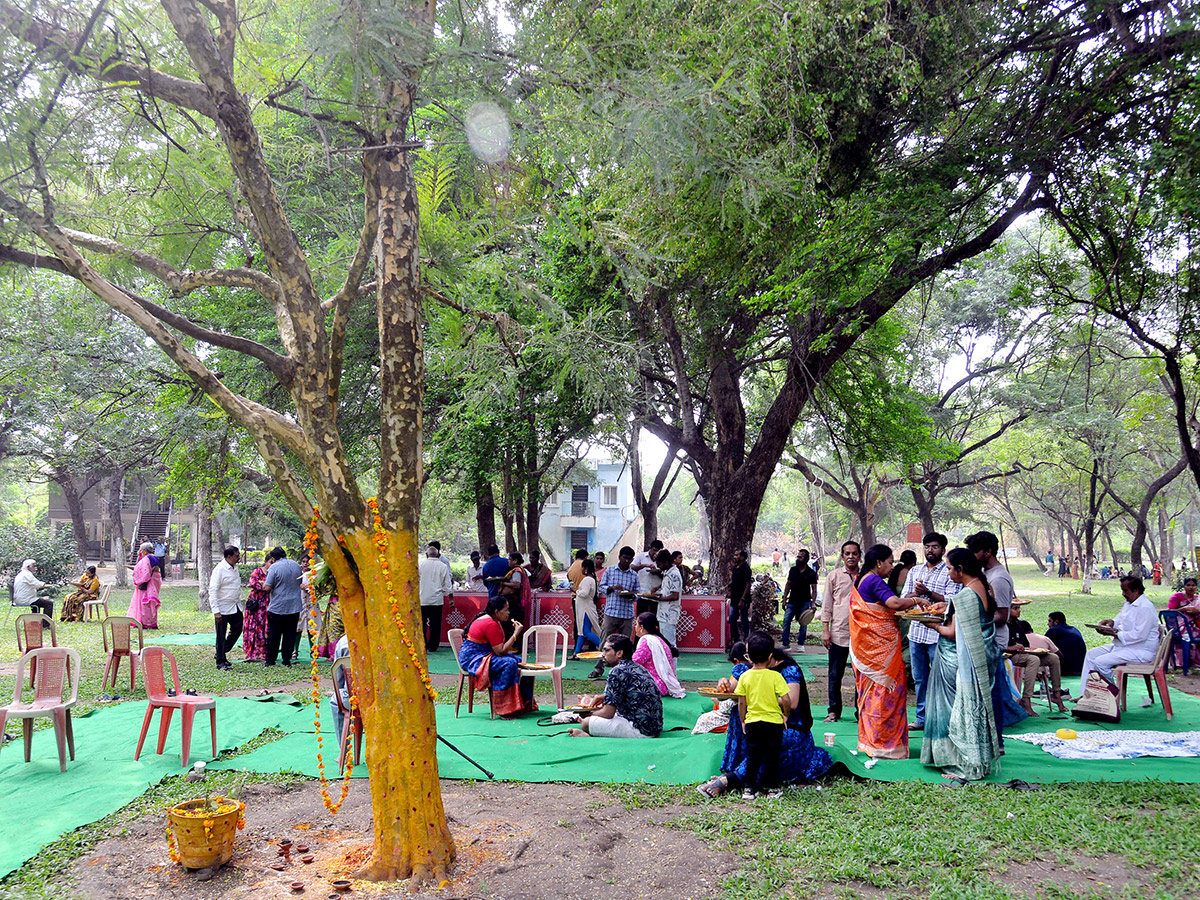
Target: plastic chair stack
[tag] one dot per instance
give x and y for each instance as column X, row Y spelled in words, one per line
column 32, row 628
column 156, row 687
column 549, row 648
column 91, row 608
column 53, row 666
column 455, row 636
column 1156, row 670
column 352, row 721
column 120, row 629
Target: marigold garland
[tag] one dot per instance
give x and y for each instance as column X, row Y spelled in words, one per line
column 381, row 542
column 310, row 547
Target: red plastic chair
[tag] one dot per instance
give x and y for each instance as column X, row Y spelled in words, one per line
column 352, row 720
column 156, row 688
column 32, row 626
column 455, row 636
column 120, row 628
column 53, row 671
column 1156, row 670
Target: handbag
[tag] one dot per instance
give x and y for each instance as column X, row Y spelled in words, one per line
column 252, row 605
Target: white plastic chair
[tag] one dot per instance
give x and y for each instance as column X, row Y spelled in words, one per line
column 549, row 648
column 91, row 608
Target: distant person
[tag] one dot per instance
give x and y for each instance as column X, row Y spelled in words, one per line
column 900, row 571
column 283, row 612
column 25, row 590
column 496, row 568
column 776, row 556
column 600, row 562
column 475, row 573
column 1063, row 567
column 435, row 585
column 799, row 596
column 87, row 588
column 575, row 571
column 539, row 572
column 1186, row 601
column 225, row 601
column 445, row 561
column 147, row 582
column 741, row 579
column 1070, row 643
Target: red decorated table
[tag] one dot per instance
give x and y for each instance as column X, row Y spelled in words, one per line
column 701, row 620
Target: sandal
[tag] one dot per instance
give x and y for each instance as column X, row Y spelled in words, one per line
column 712, row 789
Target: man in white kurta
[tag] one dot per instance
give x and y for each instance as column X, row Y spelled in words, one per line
column 1135, row 634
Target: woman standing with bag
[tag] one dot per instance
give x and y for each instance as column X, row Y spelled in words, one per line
column 254, row 621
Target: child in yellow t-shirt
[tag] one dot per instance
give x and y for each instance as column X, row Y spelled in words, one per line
column 764, row 705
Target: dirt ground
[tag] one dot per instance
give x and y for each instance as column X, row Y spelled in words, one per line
column 516, row 841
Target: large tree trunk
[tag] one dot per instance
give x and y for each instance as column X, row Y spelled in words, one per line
column 816, row 525
column 924, row 504
column 120, row 549
column 866, row 524
column 732, row 528
column 204, row 523
column 533, row 522
column 70, row 492
column 485, row 517
column 703, row 529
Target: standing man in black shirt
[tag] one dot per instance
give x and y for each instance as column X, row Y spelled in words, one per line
column 740, row 581
column 799, row 594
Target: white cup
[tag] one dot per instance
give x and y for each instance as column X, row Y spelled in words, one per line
column 830, row 739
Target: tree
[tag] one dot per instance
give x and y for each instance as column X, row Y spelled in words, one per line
column 250, row 251
column 778, row 183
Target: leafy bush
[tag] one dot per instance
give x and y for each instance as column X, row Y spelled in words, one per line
column 54, row 552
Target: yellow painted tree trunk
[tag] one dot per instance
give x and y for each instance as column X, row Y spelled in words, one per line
column 411, row 835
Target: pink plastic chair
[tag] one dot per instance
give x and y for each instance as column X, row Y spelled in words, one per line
column 156, row 688
column 120, row 628
column 549, row 649
column 32, row 627
column 55, row 664
column 352, row 721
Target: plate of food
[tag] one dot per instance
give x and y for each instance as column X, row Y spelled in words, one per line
column 1036, row 651
column 1021, row 602
column 627, row 595
column 588, row 654
column 925, row 618
column 1096, row 627
column 540, row 667
column 649, row 596
column 716, row 693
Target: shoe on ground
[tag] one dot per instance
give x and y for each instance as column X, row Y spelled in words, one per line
column 596, row 674
column 916, row 726
column 748, row 794
column 776, row 794
column 832, row 717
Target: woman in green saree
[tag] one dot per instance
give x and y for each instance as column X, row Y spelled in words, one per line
column 960, row 728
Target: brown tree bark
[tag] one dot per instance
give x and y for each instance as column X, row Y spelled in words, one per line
column 116, row 527
column 485, row 517
column 72, row 497
column 204, row 536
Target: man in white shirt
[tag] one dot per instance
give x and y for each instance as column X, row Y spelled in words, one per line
column 436, row 585
column 835, row 624
column 649, row 577
column 1135, row 633
column 225, row 601
column 25, row 589
column 669, row 593
column 475, row 573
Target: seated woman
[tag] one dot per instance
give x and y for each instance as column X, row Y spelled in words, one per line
column 960, row 727
column 1187, row 601
column 487, row 655
column 800, row 759
column 89, row 589
column 654, row 654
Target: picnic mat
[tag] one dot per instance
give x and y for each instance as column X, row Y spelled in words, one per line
column 40, row 803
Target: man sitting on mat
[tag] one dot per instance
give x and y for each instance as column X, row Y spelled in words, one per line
column 632, row 705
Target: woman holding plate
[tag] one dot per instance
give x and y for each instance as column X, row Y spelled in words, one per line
column 875, row 650
column 488, row 655
column 960, row 727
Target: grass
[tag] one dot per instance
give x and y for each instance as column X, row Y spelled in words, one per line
column 926, row 840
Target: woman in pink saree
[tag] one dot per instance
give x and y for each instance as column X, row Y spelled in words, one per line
column 147, row 580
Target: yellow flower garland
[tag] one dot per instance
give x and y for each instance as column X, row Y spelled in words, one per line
column 310, row 547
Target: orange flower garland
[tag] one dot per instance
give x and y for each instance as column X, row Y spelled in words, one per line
column 310, row 547
column 381, row 543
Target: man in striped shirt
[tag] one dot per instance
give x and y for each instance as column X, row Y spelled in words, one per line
column 618, row 610
column 932, row 583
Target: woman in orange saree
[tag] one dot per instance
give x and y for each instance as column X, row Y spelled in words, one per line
column 875, row 651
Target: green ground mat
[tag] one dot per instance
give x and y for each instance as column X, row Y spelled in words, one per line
column 40, row 803
column 196, row 639
column 521, row 750
column 689, row 666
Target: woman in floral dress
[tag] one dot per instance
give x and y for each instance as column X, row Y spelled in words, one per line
column 254, row 623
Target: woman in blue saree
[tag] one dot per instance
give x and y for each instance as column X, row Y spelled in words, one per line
column 960, row 727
